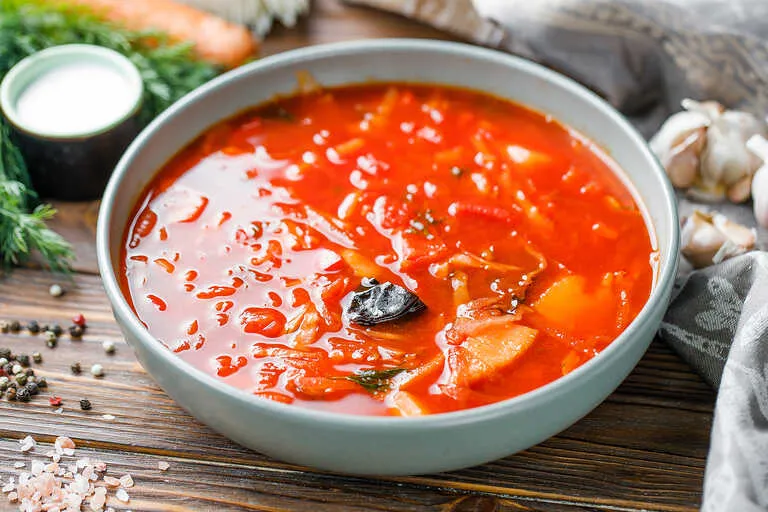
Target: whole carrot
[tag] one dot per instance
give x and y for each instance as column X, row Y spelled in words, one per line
column 215, row 40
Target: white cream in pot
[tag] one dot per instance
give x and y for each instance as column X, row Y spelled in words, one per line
column 75, row 98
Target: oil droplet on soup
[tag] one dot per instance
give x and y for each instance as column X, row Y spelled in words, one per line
column 388, row 249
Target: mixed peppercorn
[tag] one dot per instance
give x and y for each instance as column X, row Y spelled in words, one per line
column 18, row 381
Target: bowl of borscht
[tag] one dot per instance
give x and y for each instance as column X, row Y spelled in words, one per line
column 389, row 257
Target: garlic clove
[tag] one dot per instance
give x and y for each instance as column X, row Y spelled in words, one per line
column 712, row 238
column 740, row 191
column 710, row 109
column 678, row 146
column 758, row 145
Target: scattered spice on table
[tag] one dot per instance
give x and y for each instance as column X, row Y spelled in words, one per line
column 59, row 485
column 79, row 319
column 109, row 347
column 54, row 400
column 56, row 290
column 163, row 466
column 97, row 370
column 85, row 404
column 76, row 368
column 33, row 327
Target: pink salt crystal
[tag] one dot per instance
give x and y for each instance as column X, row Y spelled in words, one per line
column 53, row 467
column 163, row 466
column 37, row 467
column 9, row 487
column 80, row 485
column 13, row 497
column 111, row 481
column 27, row 444
column 99, row 499
column 126, row 481
column 56, row 457
column 64, row 442
column 87, row 472
column 100, row 466
column 122, row 496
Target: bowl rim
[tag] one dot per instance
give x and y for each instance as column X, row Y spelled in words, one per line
column 664, row 279
column 49, row 59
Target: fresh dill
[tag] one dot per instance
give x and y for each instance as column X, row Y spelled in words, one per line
column 375, row 380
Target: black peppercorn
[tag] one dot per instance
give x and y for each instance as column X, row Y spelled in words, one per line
column 15, row 326
column 4, row 327
column 42, row 383
column 23, row 395
column 11, row 393
column 33, row 388
column 51, row 341
column 37, row 357
column 85, row 404
column 30, row 372
column 44, row 328
column 21, row 378
column 75, row 332
column 76, row 368
column 5, row 353
column 8, row 368
column 56, row 329
column 33, row 327
column 23, row 360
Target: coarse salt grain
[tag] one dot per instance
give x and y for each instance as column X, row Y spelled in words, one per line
column 107, row 417
column 18, row 465
column 59, row 410
column 163, row 466
column 27, row 444
column 122, row 496
column 126, row 481
column 49, row 488
column 111, row 481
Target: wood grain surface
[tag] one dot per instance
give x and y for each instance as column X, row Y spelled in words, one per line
column 643, row 449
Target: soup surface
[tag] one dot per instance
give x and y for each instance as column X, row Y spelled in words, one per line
column 388, row 249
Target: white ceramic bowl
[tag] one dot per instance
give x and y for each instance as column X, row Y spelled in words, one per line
column 392, row 445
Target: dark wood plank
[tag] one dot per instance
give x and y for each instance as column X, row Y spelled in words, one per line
column 646, row 445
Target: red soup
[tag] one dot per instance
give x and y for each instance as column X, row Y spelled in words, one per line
column 388, row 249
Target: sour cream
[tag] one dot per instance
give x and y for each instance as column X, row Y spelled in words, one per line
column 75, row 98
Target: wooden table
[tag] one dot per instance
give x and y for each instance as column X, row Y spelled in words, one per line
column 643, row 449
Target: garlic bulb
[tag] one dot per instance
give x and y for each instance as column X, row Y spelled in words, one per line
column 710, row 238
column 679, row 144
column 758, row 145
column 703, row 149
column 726, row 161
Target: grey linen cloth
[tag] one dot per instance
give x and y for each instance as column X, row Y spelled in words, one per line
column 644, row 56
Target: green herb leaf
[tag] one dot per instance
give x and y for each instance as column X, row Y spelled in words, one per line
column 375, row 380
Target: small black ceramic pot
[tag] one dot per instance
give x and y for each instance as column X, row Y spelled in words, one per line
column 72, row 166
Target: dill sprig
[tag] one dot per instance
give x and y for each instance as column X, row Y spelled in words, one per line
column 169, row 71
column 374, row 380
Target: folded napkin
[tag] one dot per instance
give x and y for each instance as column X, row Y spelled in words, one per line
column 644, row 57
